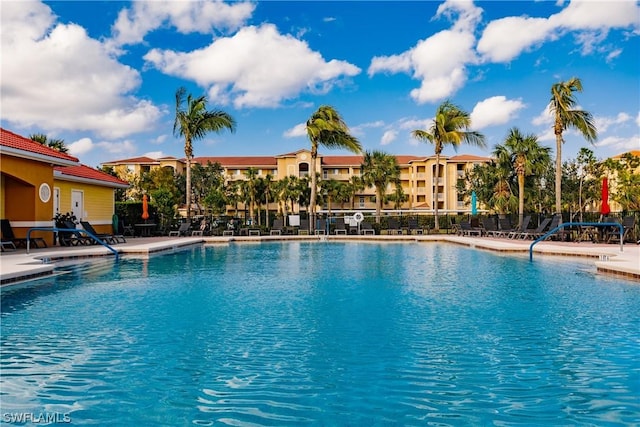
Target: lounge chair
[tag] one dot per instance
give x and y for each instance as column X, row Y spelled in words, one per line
column 124, row 229
column 8, row 244
column 277, row 227
column 304, row 227
column 394, row 227
column 628, row 225
column 467, row 230
column 107, row 238
column 414, row 228
column 504, row 227
column 489, row 227
column 183, row 230
column 366, row 228
column 321, row 226
column 538, row 232
column 340, row 227
column 521, row 228
column 9, row 236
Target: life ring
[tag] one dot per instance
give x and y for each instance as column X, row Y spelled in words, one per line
column 358, row 217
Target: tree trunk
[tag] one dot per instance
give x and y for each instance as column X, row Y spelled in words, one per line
column 558, row 173
column 188, row 189
column 437, row 193
column 312, row 202
column 520, row 200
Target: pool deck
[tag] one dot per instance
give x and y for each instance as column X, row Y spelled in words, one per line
column 18, row 266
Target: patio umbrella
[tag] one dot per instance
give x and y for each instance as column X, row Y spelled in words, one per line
column 474, row 202
column 145, row 208
column 604, row 207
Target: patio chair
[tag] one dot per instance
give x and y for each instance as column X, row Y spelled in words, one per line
column 340, row 227
column 414, row 228
column 107, row 238
column 304, row 227
column 321, row 226
column 489, row 227
column 183, row 230
column 366, row 228
column 277, row 227
column 538, row 232
column 521, row 228
column 467, row 230
column 394, row 226
column 8, row 244
column 504, row 227
column 124, row 229
column 9, row 236
column 628, row 225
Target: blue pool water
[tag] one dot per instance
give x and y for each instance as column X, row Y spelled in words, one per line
column 324, row 334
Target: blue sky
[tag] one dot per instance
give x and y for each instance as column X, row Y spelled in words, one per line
column 103, row 75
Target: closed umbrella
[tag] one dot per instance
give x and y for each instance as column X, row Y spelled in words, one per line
column 145, row 208
column 474, row 202
column 604, row 207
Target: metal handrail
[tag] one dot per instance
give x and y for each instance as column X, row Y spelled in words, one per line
column 73, row 230
column 573, row 224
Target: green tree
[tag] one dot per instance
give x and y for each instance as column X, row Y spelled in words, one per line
column 626, row 190
column 379, row 169
column 565, row 115
column 355, row 186
column 398, row 197
column 331, row 189
column 526, row 156
column 327, row 128
column 193, row 122
column 450, row 127
column 56, row 144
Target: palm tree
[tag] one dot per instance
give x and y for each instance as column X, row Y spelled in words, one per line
column 450, row 127
column 56, row 144
column 250, row 186
column 379, row 169
column 525, row 156
column 331, row 189
column 355, row 186
column 563, row 107
column 193, row 122
column 327, row 128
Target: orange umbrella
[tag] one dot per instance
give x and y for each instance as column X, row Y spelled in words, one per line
column 604, row 207
column 145, row 208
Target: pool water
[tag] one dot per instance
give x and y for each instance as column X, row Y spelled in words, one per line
column 312, row 333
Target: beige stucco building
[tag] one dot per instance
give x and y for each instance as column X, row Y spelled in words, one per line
column 417, row 175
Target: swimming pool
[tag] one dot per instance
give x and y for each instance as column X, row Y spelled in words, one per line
column 324, row 334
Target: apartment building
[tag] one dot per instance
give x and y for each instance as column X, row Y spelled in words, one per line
column 417, row 175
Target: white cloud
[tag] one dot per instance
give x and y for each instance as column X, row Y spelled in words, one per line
column 545, row 118
column 603, row 123
column 155, row 154
column 256, row 67
column 438, row 62
column 620, row 144
column 496, row 110
column 504, row 39
column 638, row 119
column 360, row 129
column 296, row 131
column 59, row 78
column 122, row 148
column 388, row 137
column 81, row 146
column 186, row 16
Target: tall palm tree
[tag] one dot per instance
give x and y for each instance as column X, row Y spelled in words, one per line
column 56, row 144
column 526, row 156
column 379, row 169
column 193, row 122
column 327, row 128
column 563, row 107
column 355, row 186
column 450, row 127
column 251, row 190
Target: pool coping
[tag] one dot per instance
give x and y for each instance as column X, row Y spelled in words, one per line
column 18, row 266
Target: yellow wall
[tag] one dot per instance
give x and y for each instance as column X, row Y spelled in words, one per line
column 98, row 203
column 21, row 204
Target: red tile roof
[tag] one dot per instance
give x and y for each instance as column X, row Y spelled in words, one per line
column 635, row 153
column 86, row 173
column 15, row 141
column 134, row 160
column 469, row 158
column 239, row 161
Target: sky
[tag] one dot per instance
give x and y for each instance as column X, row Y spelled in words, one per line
column 102, row 75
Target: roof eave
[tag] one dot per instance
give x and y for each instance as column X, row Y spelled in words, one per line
column 63, row 177
column 16, row 152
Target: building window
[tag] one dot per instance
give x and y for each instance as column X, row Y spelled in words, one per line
column 303, row 169
column 361, row 202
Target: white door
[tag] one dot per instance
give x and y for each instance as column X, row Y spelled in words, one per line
column 56, row 200
column 77, row 204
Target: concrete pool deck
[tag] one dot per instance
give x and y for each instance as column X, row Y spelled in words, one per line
column 17, row 266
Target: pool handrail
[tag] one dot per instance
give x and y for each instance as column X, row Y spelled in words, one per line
column 73, row 230
column 573, row 224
